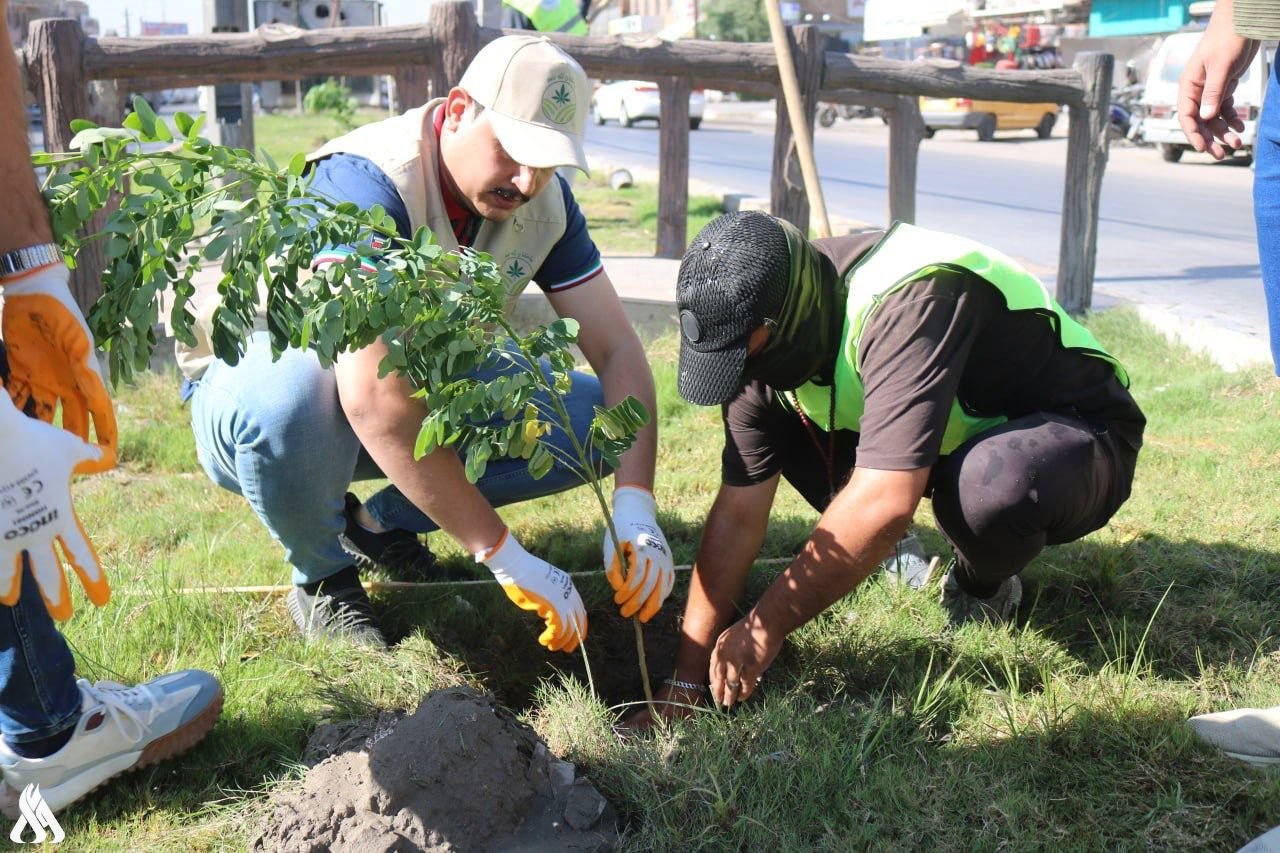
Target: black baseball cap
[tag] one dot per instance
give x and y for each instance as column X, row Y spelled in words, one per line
column 733, row 277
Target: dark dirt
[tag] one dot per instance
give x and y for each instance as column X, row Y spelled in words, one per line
column 460, row 774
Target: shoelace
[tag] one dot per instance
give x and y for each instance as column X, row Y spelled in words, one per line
column 126, row 703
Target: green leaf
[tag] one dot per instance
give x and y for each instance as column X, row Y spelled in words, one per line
column 298, row 164
column 217, row 246
column 183, row 122
column 133, row 122
column 146, row 117
column 540, row 463
column 79, row 124
column 621, row 421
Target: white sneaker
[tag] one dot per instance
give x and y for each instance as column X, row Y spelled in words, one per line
column 1249, row 734
column 121, row 728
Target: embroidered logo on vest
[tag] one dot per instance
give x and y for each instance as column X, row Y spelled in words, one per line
column 517, row 267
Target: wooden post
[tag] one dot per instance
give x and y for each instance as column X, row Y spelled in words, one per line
column 56, row 50
column 1086, row 163
column 906, row 129
column 787, row 199
column 412, row 89
column 673, row 166
column 454, row 23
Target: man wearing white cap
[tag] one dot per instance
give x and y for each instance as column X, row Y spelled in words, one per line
column 477, row 167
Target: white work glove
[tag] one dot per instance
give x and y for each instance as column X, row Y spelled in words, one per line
column 534, row 584
column 52, row 362
column 650, row 571
column 36, row 462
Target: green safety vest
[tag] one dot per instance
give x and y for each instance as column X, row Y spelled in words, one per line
column 551, row 16
column 895, row 263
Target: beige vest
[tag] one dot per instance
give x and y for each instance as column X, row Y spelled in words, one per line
column 405, row 149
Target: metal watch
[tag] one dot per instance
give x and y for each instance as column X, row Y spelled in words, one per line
column 32, row 257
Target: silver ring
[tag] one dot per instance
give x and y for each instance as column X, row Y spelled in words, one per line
column 733, row 685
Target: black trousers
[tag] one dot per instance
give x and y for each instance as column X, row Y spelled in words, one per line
column 1004, row 495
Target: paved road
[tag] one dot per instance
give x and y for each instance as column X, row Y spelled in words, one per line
column 1176, row 238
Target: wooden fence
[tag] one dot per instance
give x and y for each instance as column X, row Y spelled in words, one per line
column 426, row 59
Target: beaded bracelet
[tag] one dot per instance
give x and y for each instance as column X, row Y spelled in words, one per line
column 684, row 685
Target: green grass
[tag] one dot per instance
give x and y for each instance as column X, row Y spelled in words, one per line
column 877, row 727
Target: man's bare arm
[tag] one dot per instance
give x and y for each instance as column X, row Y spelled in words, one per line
column 386, row 419
column 857, row 531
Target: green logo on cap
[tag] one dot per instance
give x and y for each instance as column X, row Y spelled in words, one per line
column 558, row 103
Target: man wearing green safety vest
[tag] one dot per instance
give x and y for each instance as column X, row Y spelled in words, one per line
column 545, row 16
column 872, row 370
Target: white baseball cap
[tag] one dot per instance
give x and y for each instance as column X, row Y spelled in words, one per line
column 536, row 97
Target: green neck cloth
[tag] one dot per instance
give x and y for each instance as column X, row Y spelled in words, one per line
column 804, row 337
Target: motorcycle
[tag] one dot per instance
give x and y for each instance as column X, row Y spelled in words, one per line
column 827, row 113
column 1124, row 118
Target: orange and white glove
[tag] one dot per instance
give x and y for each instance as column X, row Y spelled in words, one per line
column 534, row 584
column 36, row 462
column 645, row 582
column 52, row 360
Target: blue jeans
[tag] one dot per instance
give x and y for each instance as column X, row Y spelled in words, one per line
column 1266, row 205
column 274, row 432
column 38, row 693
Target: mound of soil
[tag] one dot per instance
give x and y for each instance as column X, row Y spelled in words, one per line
column 460, row 774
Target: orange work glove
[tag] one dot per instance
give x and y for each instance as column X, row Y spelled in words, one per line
column 645, row 581
column 52, row 360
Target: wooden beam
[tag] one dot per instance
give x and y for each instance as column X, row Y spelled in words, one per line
column 1082, row 187
column 457, row 18
column 951, row 79
column 673, row 166
column 787, row 197
column 906, row 129
column 273, row 52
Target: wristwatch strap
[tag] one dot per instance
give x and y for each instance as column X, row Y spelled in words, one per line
column 29, row 258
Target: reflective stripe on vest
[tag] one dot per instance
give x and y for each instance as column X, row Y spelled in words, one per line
column 551, row 16
column 893, row 264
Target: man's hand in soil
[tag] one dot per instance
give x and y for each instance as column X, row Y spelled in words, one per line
column 1206, row 89
column 645, row 582
column 534, row 584
column 742, row 654
column 52, row 362
column 36, row 512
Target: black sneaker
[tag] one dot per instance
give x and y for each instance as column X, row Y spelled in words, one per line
column 338, row 608
column 398, row 552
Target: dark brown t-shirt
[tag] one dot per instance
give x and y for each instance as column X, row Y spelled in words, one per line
column 939, row 339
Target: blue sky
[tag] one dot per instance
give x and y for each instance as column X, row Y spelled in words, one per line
column 111, row 13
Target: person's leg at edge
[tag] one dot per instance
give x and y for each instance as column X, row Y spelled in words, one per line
column 1040, row 480
column 1266, row 205
column 39, row 700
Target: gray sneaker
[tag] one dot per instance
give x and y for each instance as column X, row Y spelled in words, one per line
column 908, row 563
column 337, row 610
column 962, row 607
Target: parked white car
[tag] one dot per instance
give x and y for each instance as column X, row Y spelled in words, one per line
column 630, row 101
